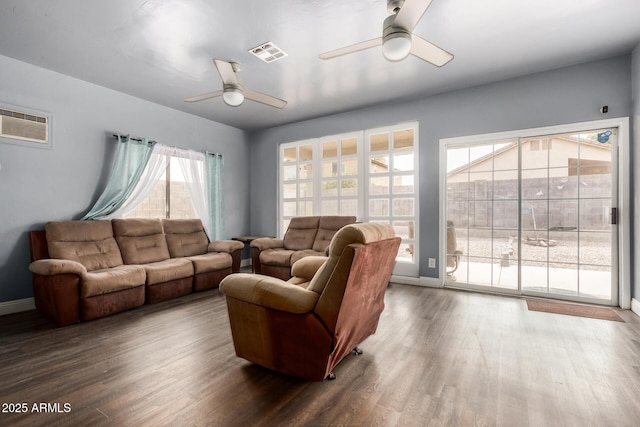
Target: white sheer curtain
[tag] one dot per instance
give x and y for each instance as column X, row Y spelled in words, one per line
column 213, row 165
column 192, row 165
column 155, row 168
column 197, row 179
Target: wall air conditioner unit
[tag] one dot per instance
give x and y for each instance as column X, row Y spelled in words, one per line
column 24, row 126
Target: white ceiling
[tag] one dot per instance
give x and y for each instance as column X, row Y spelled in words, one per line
column 162, row 50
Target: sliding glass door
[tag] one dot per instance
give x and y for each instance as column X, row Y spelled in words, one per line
column 535, row 215
column 568, row 210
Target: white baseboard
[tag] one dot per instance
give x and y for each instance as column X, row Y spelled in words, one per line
column 16, row 306
column 404, row 280
column 430, row 282
column 635, row 306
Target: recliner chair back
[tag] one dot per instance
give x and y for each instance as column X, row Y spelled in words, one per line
column 361, row 260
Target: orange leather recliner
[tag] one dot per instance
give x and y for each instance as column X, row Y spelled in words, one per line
column 304, row 327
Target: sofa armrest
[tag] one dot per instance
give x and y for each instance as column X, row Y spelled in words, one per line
column 228, row 246
column 264, row 243
column 307, row 267
column 51, row 267
column 269, row 292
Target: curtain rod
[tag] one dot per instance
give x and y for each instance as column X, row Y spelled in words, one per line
column 130, row 137
column 175, row 148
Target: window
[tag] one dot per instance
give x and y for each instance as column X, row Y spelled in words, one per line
column 170, row 198
column 296, row 186
column 392, row 177
column 539, row 144
column 371, row 174
column 339, row 177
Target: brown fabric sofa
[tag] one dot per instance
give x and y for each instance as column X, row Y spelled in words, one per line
column 212, row 261
column 84, row 270
column 305, row 236
column 306, row 326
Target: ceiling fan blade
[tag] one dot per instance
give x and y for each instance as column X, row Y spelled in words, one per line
column 204, row 96
column 352, row 48
column 264, row 98
column 429, row 51
column 226, row 72
column 410, row 13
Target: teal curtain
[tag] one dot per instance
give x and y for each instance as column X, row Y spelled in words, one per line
column 132, row 156
column 214, row 165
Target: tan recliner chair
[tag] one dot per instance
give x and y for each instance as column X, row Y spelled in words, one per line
column 306, row 326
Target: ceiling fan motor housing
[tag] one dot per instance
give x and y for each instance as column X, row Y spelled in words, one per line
column 233, row 94
column 396, row 41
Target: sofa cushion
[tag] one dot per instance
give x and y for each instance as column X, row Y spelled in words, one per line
column 305, row 253
column 168, row 269
column 307, row 268
column 280, row 257
column 212, row 261
column 141, row 241
column 185, row 237
column 112, row 279
column 91, row 243
column 227, row 246
column 301, row 233
column 327, row 228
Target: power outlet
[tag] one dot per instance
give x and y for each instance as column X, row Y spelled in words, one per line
column 432, row 263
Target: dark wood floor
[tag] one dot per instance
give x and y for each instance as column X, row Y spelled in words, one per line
column 440, row 357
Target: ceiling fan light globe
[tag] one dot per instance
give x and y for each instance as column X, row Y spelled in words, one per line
column 396, row 46
column 233, row 97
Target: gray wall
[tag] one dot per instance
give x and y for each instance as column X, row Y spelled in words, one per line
column 561, row 96
column 38, row 185
column 635, row 155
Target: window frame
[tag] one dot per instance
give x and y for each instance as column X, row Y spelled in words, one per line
column 362, row 177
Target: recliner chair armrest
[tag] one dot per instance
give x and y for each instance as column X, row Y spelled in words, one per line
column 51, row 267
column 228, row 246
column 267, row 243
column 307, row 267
column 267, row 291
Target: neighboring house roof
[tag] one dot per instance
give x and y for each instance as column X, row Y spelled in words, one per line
column 511, row 145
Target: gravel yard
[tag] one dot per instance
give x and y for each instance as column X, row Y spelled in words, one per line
column 589, row 254
column 565, row 267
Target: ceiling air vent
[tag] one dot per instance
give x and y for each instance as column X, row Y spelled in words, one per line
column 268, row 52
column 24, row 126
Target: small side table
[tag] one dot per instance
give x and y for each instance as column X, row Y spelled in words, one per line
column 247, row 244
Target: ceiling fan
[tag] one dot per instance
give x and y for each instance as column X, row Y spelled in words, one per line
column 233, row 92
column 397, row 39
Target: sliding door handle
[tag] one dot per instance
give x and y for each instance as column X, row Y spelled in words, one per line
column 613, row 216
